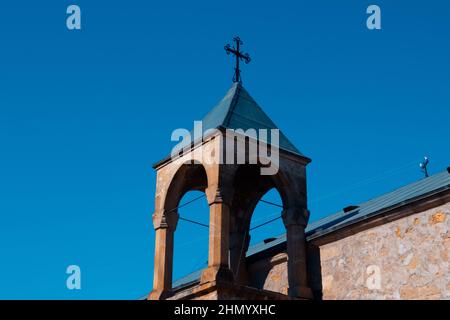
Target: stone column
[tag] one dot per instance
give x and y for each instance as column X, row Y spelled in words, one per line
column 295, row 221
column 239, row 242
column 219, row 233
column 165, row 225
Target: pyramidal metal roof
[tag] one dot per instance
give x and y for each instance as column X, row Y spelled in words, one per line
column 238, row 110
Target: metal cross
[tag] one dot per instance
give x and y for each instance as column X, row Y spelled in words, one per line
column 239, row 56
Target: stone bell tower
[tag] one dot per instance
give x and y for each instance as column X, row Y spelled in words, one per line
column 234, row 177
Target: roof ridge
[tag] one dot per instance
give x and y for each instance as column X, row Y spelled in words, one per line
column 233, row 105
column 415, row 186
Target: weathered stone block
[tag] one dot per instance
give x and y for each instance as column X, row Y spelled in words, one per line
column 410, row 256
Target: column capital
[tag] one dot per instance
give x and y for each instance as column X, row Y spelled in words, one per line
column 295, row 217
column 165, row 219
column 217, row 194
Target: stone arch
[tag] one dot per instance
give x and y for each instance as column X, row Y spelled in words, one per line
column 233, row 192
column 188, row 176
column 249, row 188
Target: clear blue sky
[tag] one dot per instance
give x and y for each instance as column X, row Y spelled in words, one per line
column 84, row 115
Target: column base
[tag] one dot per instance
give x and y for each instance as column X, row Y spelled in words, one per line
column 221, row 274
column 300, row 292
column 159, row 295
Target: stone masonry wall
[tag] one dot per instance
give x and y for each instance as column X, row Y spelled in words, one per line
column 270, row 274
column 404, row 259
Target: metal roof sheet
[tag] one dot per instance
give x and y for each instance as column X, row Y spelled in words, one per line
column 365, row 210
column 238, row 110
column 188, row 279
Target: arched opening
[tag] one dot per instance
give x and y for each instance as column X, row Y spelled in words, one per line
column 255, row 215
column 266, row 223
column 186, row 197
column 191, row 237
